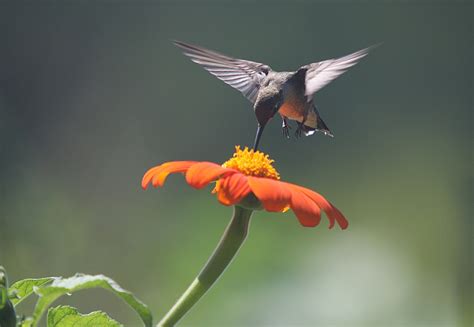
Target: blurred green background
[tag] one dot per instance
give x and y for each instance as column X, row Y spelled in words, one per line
column 93, row 94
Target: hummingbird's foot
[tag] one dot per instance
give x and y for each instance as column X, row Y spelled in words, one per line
column 299, row 130
column 285, row 128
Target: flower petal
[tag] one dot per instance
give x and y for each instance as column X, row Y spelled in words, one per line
column 202, row 173
column 305, row 209
column 157, row 175
column 274, row 195
column 331, row 211
column 232, row 189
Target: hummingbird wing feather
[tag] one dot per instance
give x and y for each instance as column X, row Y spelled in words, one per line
column 243, row 75
column 320, row 74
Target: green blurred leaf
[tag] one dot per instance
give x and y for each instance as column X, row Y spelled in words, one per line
column 66, row 316
column 24, row 288
column 49, row 293
column 26, row 322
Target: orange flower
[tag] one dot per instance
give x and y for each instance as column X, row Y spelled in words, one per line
column 249, row 180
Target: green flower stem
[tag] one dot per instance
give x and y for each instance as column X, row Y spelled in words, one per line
column 228, row 246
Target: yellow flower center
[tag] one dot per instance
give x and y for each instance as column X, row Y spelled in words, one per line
column 252, row 163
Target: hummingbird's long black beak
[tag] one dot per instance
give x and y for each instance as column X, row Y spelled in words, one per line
column 258, row 136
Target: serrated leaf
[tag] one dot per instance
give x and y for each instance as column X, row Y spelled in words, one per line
column 24, row 288
column 66, row 316
column 61, row 286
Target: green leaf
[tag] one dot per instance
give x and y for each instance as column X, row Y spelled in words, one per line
column 24, row 288
column 66, row 316
column 49, row 293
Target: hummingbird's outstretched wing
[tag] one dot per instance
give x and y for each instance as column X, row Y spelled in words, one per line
column 320, row 74
column 246, row 76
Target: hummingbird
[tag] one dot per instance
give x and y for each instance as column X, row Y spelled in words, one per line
column 288, row 93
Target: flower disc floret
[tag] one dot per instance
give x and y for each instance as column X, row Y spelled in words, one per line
column 252, row 163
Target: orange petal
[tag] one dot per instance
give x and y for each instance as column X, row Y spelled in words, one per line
column 331, row 211
column 232, row 189
column 157, row 175
column 274, row 195
column 202, row 173
column 149, row 175
column 305, row 209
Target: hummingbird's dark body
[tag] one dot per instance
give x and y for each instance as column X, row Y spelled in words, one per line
column 288, row 93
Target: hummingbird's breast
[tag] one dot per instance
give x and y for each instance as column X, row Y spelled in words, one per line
column 294, row 103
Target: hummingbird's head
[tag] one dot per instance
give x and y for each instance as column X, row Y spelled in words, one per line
column 267, row 105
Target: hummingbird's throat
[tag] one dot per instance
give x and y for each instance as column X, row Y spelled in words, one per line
column 252, row 163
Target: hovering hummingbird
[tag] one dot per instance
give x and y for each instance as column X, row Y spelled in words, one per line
column 288, row 93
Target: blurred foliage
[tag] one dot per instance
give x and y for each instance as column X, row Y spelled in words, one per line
column 49, row 289
column 92, row 94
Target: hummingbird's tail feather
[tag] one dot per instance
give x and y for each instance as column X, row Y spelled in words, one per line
column 322, row 127
column 314, row 123
column 310, row 131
